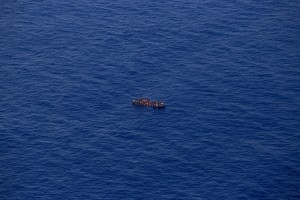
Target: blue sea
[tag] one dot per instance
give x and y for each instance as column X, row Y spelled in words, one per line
column 228, row 71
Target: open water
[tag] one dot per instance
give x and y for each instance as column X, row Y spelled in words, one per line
column 229, row 72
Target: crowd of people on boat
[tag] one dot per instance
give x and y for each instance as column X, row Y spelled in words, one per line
column 147, row 102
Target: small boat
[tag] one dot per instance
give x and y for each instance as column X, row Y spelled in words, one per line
column 147, row 102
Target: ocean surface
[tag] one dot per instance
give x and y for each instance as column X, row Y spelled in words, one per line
column 228, row 71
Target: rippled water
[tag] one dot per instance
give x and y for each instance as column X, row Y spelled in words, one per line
column 227, row 70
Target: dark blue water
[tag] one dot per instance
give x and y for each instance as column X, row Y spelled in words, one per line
column 227, row 70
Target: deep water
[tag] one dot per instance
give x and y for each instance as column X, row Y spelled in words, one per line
column 229, row 72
